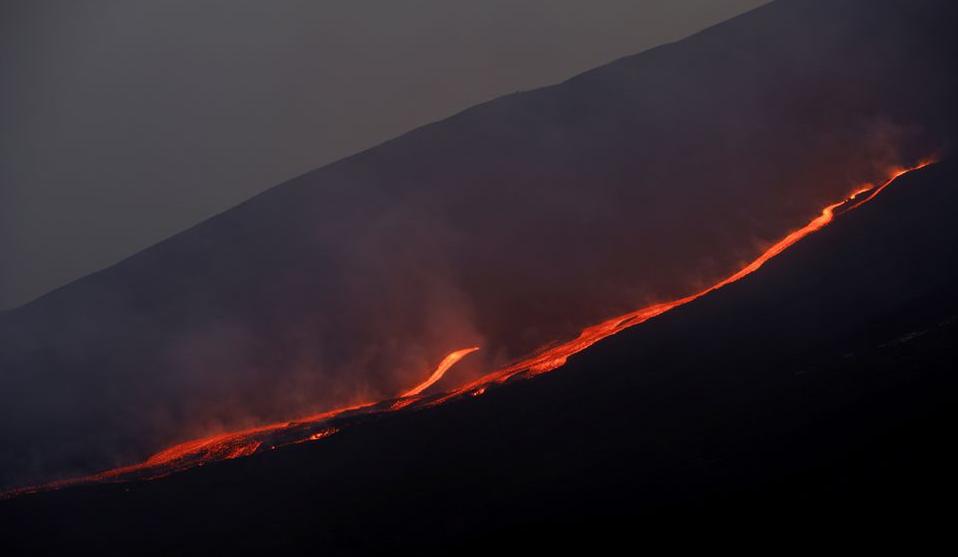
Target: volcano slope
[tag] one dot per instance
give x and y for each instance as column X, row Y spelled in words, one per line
column 508, row 226
column 817, row 391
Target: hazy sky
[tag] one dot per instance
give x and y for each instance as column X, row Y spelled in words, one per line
column 125, row 121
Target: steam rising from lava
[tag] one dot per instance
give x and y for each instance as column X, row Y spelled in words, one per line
column 507, row 226
column 320, row 426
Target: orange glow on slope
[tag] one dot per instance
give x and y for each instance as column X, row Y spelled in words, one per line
column 446, row 363
column 231, row 445
column 322, row 434
column 896, row 174
column 553, row 357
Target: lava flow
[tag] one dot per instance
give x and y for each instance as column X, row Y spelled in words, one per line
column 446, row 363
column 231, row 445
column 555, row 356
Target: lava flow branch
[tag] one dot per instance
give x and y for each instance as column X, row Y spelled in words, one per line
column 247, row 442
column 444, row 366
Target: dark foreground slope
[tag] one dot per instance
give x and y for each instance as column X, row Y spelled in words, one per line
column 813, row 396
column 512, row 224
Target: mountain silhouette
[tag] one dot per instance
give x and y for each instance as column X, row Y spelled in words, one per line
column 816, row 391
column 510, row 225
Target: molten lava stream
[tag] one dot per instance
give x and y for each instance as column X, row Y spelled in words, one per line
column 244, row 443
column 447, row 362
column 553, row 357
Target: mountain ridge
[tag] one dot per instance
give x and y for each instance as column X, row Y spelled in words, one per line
column 356, row 278
column 817, row 386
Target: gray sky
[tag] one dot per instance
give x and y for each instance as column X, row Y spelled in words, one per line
column 125, row 121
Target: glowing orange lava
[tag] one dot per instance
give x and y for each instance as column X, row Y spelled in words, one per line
column 553, row 357
column 446, row 363
column 231, row 445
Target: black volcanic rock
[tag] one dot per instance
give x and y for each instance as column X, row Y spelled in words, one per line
column 817, row 391
column 511, row 224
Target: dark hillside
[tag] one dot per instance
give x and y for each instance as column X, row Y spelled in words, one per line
column 512, row 224
column 811, row 398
